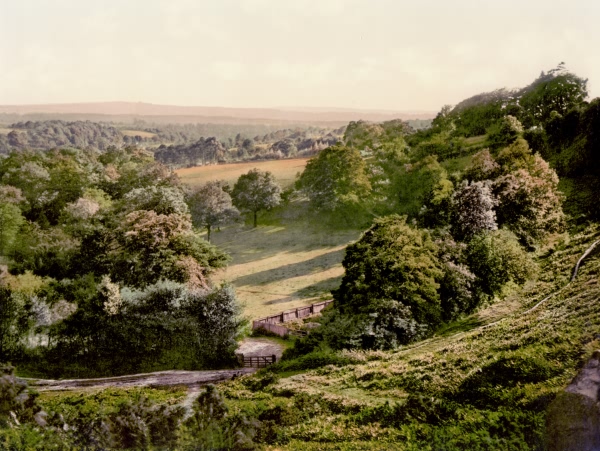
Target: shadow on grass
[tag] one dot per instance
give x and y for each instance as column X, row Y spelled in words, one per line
column 304, row 268
column 461, row 325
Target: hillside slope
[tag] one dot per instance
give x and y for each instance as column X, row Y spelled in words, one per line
column 470, row 387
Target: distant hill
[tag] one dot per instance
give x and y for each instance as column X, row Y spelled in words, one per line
column 214, row 114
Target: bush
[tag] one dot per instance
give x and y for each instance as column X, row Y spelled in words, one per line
column 496, row 258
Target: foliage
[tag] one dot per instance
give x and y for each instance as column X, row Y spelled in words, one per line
column 529, row 202
column 17, row 404
column 504, row 132
column 211, row 206
column 390, row 283
column 473, row 209
column 418, row 184
column 336, row 181
column 130, row 331
column 496, row 258
column 256, row 191
column 482, row 167
column 10, row 223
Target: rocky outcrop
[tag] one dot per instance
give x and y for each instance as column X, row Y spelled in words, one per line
column 573, row 420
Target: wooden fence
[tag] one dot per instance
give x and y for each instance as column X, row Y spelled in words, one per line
column 257, row 361
column 270, row 323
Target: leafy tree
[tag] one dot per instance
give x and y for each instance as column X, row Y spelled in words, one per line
column 496, row 258
column 504, row 132
column 163, row 200
column 473, row 209
column 256, row 191
column 334, row 178
column 482, row 167
column 390, row 283
column 414, row 184
column 557, row 90
column 211, row 206
column 15, row 322
column 10, row 224
column 530, row 203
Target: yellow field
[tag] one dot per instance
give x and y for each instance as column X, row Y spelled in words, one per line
column 284, row 170
column 276, row 268
column 5, row 131
column 138, row 133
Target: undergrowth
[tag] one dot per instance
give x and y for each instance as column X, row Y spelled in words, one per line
column 483, row 384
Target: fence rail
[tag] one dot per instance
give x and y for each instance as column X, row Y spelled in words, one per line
column 258, row 361
column 271, row 323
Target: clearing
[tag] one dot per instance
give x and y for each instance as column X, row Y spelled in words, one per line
column 141, row 133
column 284, row 170
column 281, row 267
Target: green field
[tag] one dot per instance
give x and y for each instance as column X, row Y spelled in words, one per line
column 285, row 171
column 282, row 266
column 141, row 133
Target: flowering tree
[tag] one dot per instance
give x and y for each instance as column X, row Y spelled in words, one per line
column 473, row 209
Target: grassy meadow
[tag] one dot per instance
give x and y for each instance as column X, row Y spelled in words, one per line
column 141, row 133
column 284, row 170
column 282, row 266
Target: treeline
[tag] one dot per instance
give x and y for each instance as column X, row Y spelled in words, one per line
column 175, row 145
column 106, row 273
column 276, row 145
column 58, row 134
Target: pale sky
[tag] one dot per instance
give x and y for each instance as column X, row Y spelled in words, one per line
column 376, row 54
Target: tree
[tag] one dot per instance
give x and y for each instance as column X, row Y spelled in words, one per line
column 482, row 167
column 530, row 203
column 10, row 223
column 390, row 283
column 256, row 191
column 336, row 177
column 496, row 258
column 558, row 90
column 211, row 206
column 473, row 209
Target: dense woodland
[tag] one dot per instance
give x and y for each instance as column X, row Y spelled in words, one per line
column 174, row 145
column 108, row 274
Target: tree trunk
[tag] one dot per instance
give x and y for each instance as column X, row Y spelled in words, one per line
column 255, row 212
column 208, row 234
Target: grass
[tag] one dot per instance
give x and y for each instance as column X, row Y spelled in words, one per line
column 475, row 140
column 284, row 170
column 469, row 387
column 141, row 133
column 5, row 131
column 283, row 264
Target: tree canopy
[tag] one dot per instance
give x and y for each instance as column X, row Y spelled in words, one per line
column 256, row 191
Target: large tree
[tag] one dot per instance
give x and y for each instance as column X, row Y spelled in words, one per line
column 211, row 206
column 256, row 191
column 336, row 177
column 391, row 283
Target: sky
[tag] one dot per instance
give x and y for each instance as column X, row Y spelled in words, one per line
column 363, row 54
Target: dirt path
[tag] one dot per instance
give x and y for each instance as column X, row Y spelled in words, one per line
column 260, row 347
column 190, row 379
column 158, row 379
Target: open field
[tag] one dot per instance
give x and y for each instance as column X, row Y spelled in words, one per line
column 5, row 131
column 280, row 267
column 141, row 133
column 285, row 171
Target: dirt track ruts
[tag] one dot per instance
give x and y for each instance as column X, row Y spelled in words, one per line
column 158, row 379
